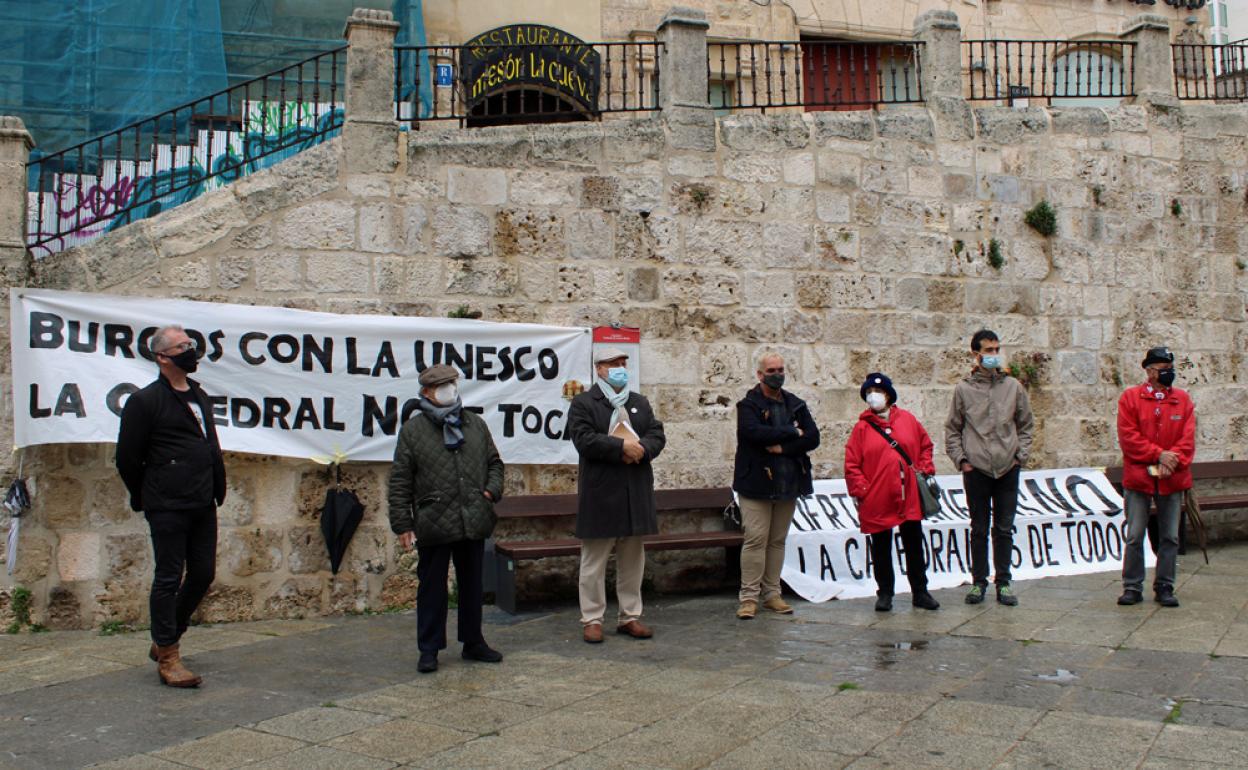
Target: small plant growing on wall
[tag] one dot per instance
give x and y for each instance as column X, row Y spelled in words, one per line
column 957, row 248
column 1029, row 368
column 995, row 258
column 1042, row 218
column 1176, row 208
column 463, row 311
column 1097, row 191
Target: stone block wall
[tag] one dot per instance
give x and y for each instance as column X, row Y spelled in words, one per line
column 848, row 241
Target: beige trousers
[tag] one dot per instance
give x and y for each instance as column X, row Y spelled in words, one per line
column 765, row 524
column 630, row 565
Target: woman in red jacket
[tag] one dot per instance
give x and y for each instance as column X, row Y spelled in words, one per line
column 886, row 490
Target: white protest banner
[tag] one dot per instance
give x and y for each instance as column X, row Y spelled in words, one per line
column 290, row 382
column 1070, row 521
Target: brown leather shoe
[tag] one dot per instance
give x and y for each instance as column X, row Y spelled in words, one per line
column 776, row 604
column 747, row 610
column 593, row 633
column 172, row 672
column 635, row 629
column 152, row 653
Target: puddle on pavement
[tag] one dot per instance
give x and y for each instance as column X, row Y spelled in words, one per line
column 885, row 657
column 1061, row 676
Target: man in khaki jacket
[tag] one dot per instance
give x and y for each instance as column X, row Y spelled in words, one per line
column 988, row 437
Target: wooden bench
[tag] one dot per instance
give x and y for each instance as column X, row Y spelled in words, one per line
column 1207, row 471
column 508, row 554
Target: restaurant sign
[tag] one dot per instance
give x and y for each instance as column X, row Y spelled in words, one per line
column 530, row 56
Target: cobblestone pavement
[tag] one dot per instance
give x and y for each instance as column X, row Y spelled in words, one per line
column 1067, row 679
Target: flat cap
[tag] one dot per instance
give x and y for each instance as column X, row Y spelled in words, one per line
column 438, row 374
column 608, row 354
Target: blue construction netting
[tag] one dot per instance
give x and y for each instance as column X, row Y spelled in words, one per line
column 76, row 69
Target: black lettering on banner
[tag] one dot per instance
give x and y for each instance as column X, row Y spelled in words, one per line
column 74, row 335
column 1053, row 502
column 827, row 507
column 1113, row 545
column 484, row 365
column 1045, row 529
column 806, row 522
column 825, row 565
column 1076, row 482
column 1069, row 526
column 214, row 343
column 453, row 357
column 418, row 352
column 870, row 557
column 849, row 559
column 509, row 418
column 330, row 422
column 322, row 353
column 385, row 361
column 374, row 415
column 1035, row 547
column 115, row 398
column 474, row 409
column 1087, row 551
column 801, row 559
column 899, row 552
column 1016, row 557
column 353, row 367
column 219, row 406
column 145, row 343
column 955, row 497
column 410, row 407
column 506, row 369
column 46, row 331
column 936, row 542
column 244, row 350
column 36, row 411
column 240, row 405
column 275, row 412
column 306, row 414
column 952, row 550
column 117, row 339
column 284, row 348
column 523, row 373
column 531, row 419
column 1099, row 550
column 553, row 414
column 548, row 364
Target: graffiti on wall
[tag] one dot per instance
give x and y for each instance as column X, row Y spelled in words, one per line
column 74, row 208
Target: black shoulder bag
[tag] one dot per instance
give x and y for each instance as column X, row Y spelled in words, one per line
column 929, row 488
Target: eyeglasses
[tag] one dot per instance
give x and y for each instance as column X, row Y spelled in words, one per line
column 181, row 347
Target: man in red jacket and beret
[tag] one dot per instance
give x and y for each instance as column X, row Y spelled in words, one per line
column 1157, row 434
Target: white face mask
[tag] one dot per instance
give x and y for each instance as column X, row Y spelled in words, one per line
column 446, row 393
column 877, row 401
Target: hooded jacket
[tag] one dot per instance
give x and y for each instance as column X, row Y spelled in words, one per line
column 878, row 478
column 990, row 423
column 1148, row 425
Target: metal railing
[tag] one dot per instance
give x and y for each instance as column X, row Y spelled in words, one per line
column 83, row 191
column 480, row 85
column 812, row 74
column 1049, row 69
column 1213, row 72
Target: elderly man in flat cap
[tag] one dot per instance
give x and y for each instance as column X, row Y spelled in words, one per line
column 445, row 480
column 617, row 436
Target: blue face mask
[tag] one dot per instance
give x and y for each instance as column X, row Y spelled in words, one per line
column 617, row 377
column 990, row 362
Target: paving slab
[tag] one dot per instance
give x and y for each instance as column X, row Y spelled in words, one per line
column 1066, row 679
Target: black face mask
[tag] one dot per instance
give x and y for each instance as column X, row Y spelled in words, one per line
column 1165, row 377
column 187, row 360
column 773, row 381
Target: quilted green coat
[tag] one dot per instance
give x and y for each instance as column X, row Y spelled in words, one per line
column 436, row 492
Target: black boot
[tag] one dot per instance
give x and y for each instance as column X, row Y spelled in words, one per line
column 428, row 663
column 883, row 602
column 924, row 600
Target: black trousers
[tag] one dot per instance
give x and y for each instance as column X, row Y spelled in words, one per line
column 992, row 502
column 911, row 546
column 431, row 595
column 185, row 547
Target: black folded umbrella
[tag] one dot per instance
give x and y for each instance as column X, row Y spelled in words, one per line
column 1191, row 506
column 339, row 518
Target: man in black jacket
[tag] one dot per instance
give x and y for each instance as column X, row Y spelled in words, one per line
column 775, row 433
column 170, row 460
column 617, row 436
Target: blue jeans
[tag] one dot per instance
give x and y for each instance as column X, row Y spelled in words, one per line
column 1137, row 505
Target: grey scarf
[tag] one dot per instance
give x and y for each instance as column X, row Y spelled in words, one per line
column 449, row 417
